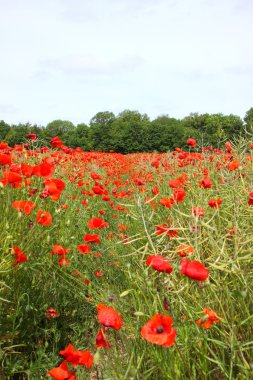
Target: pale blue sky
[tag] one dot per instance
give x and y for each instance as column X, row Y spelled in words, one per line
column 69, row 59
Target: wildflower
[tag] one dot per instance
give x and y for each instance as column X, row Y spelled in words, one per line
column 91, row 238
column 159, row 263
column 198, row 211
column 97, row 223
column 194, row 269
column 209, row 319
column 159, row 330
column 215, row 203
column 191, row 142
column 44, row 218
column 25, row 206
column 77, row 357
column 62, row 372
column 19, row 256
column 52, row 313
column 100, row 339
column 109, row 317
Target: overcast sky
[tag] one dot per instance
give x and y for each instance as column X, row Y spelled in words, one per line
column 69, row 59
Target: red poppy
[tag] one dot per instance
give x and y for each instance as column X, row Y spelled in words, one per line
column 31, row 136
column 52, row 313
column 5, row 159
column 44, row 218
column 101, row 340
column 54, row 188
column 63, row 262
column 250, row 200
column 167, row 202
column 109, row 317
column 84, row 248
column 159, row 330
column 77, row 357
column 91, row 238
column 62, row 372
column 209, row 319
column 59, row 250
column 198, row 211
column 10, row 177
column 179, row 195
column 19, row 256
column 25, row 206
column 194, row 269
column 185, row 250
column 191, row 142
column 215, row 203
column 159, row 263
column 56, row 142
column 206, row 183
column 97, row 223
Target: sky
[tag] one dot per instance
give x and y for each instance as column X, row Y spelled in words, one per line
column 69, row 59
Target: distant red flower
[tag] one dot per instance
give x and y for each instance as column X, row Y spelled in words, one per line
column 63, row 262
column 109, row 317
column 206, row 183
column 25, row 206
column 52, row 313
column 59, row 250
column 228, row 147
column 98, row 273
column 159, row 263
column 62, row 372
column 44, row 218
column 185, row 250
column 19, row 256
column 198, row 211
column 84, row 248
column 101, row 340
column 215, row 203
column 56, row 142
column 31, row 136
column 97, row 223
column 159, row 330
column 191, row 142
column 77, row 357
column 209, row 319
column 167, row 202
column 250, row 200
column 179, row 194
column 194, row 269
column 91, row 238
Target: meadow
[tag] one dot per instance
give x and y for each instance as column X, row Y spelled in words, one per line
column 125, row 267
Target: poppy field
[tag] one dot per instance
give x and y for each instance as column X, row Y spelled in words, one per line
column 133, row 266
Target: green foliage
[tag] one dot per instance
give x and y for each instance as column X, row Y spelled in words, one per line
column 130, row 131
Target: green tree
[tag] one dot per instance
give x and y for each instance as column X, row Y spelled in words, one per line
column 4, row 129
column 60, row 128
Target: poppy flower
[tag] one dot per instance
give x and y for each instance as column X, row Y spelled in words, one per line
column 97, row 223
column 191, row 142
column 194, row 269
column 56, row 142
column 44, row 218
column 62, row 372
column 84, row 248
column 159, row 330
column 91, row 238
column 19, row 256
column 209, row 319
column 5, row 159
column 215, row 203
column 198, row 211
column 31, row 136
column 10, row 177
column 25, row 206
column 59, row 250
column 54, row 188
column 63, row 262
column 52, row 313
column 206, row 183
column 179, row 195
column 250, row 200
column 109, row 317
column 167, row 202
column 101, row 340
column 159, row 263
column 77, row 357
column 185, row 250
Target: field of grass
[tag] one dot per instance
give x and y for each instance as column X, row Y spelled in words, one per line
column 126, row 267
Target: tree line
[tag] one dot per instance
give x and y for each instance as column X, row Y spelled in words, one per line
column 131, row 131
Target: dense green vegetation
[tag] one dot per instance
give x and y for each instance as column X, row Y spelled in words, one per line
column 131, row 131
